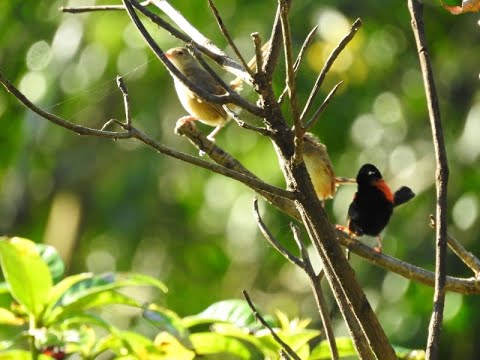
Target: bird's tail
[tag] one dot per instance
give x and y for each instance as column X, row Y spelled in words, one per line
column 402, row 195
column 237, row 84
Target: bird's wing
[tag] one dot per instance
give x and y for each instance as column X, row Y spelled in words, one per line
column 206, row 81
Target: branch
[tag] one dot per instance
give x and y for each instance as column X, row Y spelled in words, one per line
column 290, row 80
column 298, row 60
column 132, row 132
column 261, row 130
column 267, row 234
column 227, row 36
column 468, row 286
column 257, row 42
column 202, row 42
column 315, row 283
column 93, row 8
column 467, row 257
column 331, row 59
column 232, row 97
column 271, row 58
column 126, row 102
column 217, row 154
column 387, row 262
column 257, row 315
column 435, row 328
column 322, row 107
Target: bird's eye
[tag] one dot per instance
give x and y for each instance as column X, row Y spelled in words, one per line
column 180, row 52
column 371, row 173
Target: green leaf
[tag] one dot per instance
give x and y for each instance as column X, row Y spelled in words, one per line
column 26, row 274
column 138, row 345
column 94, row 291
column 344, row 345
column 89, row 301
column 234, row 311
column 53, row 260
column 227, row 347
column 60, row 289
column 409, row 354
column 20, row 355
column 9, row 318
column 452, row 2
column 172, row 348
column 296, row 339
column 170, row 322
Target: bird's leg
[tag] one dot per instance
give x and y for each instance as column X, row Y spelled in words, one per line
column 378, row 249
column 214, row 133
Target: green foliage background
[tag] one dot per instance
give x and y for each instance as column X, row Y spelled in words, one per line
column 120, row 206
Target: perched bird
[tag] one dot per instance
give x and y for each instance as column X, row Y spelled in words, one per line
column 373, row 204
column 199, row 109
column 319, row 167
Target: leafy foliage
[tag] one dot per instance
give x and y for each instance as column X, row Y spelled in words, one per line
column 62, row 320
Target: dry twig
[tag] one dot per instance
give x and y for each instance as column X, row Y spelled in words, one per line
column 331, row 59
column 258, row 316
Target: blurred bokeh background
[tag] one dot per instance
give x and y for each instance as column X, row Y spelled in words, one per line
column 119, row 206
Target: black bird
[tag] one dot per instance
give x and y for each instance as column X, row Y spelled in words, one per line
column 373, row 204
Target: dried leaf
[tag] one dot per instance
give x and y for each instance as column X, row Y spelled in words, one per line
column 466, row 6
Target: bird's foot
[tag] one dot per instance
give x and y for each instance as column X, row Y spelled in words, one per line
column 378, row 249
column 344, row 229
column 184, row 121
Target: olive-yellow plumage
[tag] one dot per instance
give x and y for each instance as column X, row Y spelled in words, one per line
column 319, row 167
column 199, row 109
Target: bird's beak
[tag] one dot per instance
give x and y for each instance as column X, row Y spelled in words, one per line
column 168, row 54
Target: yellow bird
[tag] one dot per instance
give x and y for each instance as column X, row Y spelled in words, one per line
column 319, row 167
column 199, row 109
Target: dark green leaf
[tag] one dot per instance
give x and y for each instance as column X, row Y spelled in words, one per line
column 170, row 322
column 52, row 258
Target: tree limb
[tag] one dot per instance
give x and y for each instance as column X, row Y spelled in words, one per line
column 441, row 183
column 132, row 132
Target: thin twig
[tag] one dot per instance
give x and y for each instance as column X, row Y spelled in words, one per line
column 203, row 44
column 257, row 43
column 227, row 36
column 267, row 234
column 257, row 315
column 232, row 97
column 315, row 283
column 331, row 59
column 322, row 107
column 198, row 55
column 221, row 157
column 271, row 57
column 82, row 9
column 261, row 130
column 467, row 257
column 132, row 132
column 298, row 60
column 441, row 183
column 126, row 101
